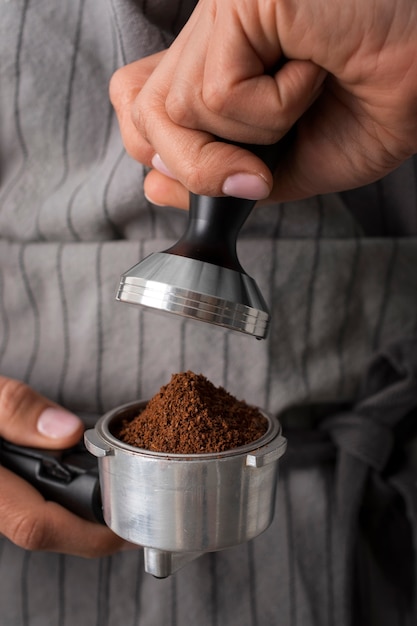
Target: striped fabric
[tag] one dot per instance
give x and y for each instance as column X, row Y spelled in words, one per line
column 339, row 274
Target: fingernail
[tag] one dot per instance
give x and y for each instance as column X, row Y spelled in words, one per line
column 159, row 165
column 57, row 423
column 248, row 186
column 153, row 201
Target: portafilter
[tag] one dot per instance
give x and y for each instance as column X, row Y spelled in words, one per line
column 181, row 506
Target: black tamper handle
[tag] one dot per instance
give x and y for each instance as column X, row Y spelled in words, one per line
column 214, row 222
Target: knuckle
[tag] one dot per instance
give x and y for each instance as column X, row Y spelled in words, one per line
column 30, row 532
column 194, row 179
column 116, row 87
column 13, row 396
column 202, row 176
column 144, row 115
column 178, row 108
column 216, row 98
column 140, row 118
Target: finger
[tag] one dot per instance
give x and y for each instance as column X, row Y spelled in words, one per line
column 34, row 524
column 240, row 102
column 270, row 105
column 29, row 419
column 336, row 149
column 194, row 158
column 164, row 191
column 125, row 84
column 225, row 85
column 129, row 79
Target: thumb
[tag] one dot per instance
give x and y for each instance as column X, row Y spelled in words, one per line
column 29, row 419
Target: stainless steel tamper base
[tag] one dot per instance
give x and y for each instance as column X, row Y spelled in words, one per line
column 196, row 289
column 179, row 506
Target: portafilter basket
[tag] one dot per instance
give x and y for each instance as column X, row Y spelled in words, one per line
column 180, row 506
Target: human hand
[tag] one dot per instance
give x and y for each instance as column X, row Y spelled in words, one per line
column 353, row 127
column 28, row 419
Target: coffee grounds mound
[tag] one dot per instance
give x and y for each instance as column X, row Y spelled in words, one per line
column 190, row 415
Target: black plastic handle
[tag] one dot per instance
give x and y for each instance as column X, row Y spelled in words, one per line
column 69, row 477
column 214, row 222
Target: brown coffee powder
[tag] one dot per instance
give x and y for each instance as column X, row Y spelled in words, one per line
column 190, row 415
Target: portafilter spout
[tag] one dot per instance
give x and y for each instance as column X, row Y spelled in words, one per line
column 200, row 276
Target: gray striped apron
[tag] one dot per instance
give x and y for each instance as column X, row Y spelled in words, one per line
column 339, row 275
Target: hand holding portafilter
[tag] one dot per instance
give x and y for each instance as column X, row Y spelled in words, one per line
column 200, row 276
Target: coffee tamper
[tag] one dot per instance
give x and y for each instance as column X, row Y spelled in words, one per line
column 200, row 276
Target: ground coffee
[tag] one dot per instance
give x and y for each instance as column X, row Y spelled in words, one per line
column 190, row 415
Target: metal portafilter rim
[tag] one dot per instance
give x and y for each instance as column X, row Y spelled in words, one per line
column 108, row 425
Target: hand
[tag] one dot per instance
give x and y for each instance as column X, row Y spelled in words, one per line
column 28, row 419
column 350, row 82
